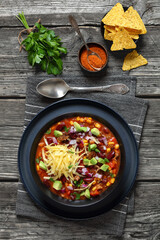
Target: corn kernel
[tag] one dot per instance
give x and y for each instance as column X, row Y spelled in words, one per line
column 108, row 184
column 90, row 118
column 78, row 118
column 97, row 125
column 70, row 184
column 117, row 146
column 88, row 121
column 111, row 143
column 37, row 167
column 108, row 150
column 109, row 168
column 71, row 122
column 81, row 120
column 94, row 188
column 86, row 144
column 85, row 141
column 94, row 182
column 112, row 180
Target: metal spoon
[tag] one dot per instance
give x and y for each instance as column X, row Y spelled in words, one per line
column 57, row 88
column 89, row 51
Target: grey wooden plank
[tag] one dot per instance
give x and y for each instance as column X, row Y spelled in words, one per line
column 144, row 224
column 11, row 128
column 14, row 67
column 87, row 12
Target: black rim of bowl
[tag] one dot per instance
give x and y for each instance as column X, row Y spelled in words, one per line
column 46, row 199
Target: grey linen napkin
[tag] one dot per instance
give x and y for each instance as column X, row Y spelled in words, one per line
column 132, row 109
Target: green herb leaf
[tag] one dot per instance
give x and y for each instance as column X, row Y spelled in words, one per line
column 44, row 48
column 89, row 147
column 70, row 151
column 37, row 59
column 70, row 166
column 48, row 131
column 37, row 160
column 66, row 129
column 77, row 195
column 97, row 150
column 112, row 175
column 106, row 160
column 44, row 64
column 51, row 179
column 63, row 50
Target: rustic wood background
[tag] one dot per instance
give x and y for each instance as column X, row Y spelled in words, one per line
column 14, row 70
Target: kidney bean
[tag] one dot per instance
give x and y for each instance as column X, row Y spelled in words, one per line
column 79, row 170
column 104, row 180
column 60, row 126
column 46, row 182
column 73, row 135
column 49, row 140
column 106, row 130
column 101, row 155
column 63, row 179
column 84, row 171
column 63, row 190
column 81, row 145
column 102, row 148
column 73, row 197
column 89, row 175
column 111, row 155
column 88, row 179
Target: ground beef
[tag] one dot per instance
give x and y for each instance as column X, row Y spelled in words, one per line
column 63, row 138
column 91, row 154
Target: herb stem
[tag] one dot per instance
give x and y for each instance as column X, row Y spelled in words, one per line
column 23, row 20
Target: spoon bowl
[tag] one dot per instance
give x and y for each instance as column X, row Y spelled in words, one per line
column 58, row 88
column 53, row 88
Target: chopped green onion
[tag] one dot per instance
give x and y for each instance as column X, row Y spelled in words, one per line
column 66, row 129
column 70, row 151
column 106, row 160
column 96, row 150
column 51, row 179
column 112, row 175
column 37, row 160
column 70, row 166
column 48, row 131
column 77, row 195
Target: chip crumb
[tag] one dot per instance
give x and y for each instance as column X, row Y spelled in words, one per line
column 133, row 60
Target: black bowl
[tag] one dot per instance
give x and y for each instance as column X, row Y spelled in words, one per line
column 119, row 53
column 88, row 72
column 79, row 209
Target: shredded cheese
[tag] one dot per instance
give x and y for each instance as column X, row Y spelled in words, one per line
column 61, row 160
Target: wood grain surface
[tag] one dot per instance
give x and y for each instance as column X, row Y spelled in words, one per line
column 14, row 71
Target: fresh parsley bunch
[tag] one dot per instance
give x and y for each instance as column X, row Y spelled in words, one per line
column 44, row 48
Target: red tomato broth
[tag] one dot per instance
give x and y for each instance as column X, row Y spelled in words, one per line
column 99, row 185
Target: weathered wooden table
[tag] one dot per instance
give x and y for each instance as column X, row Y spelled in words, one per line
column 14, row 70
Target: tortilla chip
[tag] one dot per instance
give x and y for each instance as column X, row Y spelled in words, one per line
column 133, row 16
column 110, row 28
column 122, row 40
column 133, row 60
column 113, row 15
column 106, row 35
column 134, row 36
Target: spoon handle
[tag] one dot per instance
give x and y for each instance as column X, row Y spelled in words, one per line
column 75, row 26
column 114, row 88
